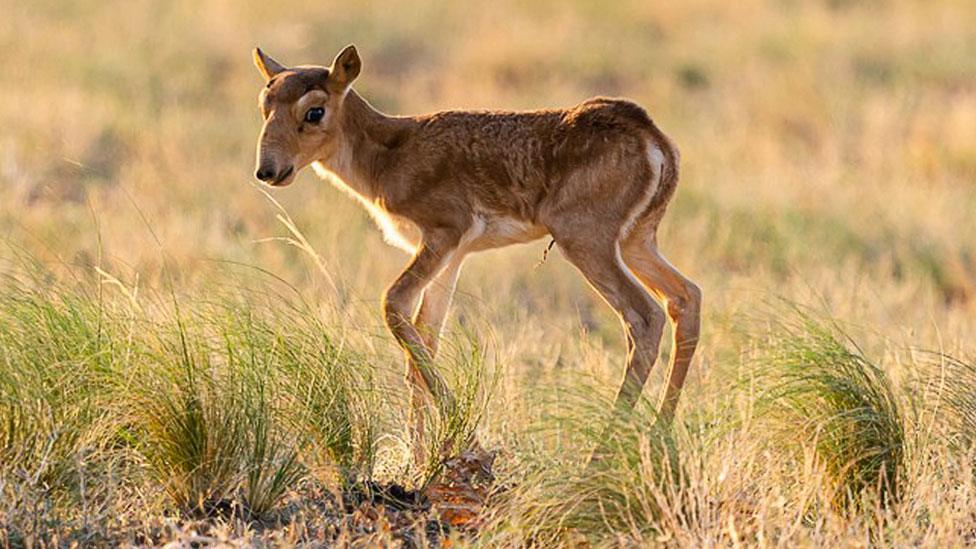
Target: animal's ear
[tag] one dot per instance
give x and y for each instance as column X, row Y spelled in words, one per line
column 266, row 65
column 345, row 68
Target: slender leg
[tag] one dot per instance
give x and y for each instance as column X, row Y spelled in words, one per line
column 683, row 300
column 643, row 319
column 436, row 301
column 434, row 253
column 429, row 321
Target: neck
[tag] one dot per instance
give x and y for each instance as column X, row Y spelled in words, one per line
column 367, row 146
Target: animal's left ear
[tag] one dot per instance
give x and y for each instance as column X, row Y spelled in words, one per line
column 345, row 68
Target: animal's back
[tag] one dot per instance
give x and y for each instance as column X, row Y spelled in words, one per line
column 514, row 161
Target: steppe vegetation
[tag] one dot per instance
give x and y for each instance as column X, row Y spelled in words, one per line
column 184, row 357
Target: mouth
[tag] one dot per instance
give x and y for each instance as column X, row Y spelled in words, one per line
column 284, row 178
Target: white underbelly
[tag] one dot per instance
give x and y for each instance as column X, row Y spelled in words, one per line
column 502, row 231
column 485, row 233
column 488, row 230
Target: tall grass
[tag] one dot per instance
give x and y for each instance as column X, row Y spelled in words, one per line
column 472, row 381
column 956, row 390
column 819, row 391
column 54, row 356
column 632, row 491
column 242, row 401
column 58, row 429
column 228, row 403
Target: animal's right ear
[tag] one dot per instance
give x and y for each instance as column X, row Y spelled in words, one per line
column 345, row 68
column 266, row 65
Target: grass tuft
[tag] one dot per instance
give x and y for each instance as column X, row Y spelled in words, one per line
column 632, row 491
column 821, row 392
column 462, row 362
column 226, row 404
column 242, row 402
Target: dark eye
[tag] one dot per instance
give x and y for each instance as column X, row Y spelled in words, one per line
column 314, row 115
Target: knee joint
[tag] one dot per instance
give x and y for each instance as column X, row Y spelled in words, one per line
column 395, row 307
column 688, row 303
column 645, row 323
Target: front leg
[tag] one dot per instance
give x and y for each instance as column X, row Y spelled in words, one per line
column 436, row 302
column 429, row 320
column 435, row 252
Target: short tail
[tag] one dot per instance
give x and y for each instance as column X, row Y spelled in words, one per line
column 669, row 172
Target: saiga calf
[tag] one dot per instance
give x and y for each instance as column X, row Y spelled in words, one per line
column 597, row 177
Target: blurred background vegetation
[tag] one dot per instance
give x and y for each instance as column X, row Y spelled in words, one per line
column 827, row 145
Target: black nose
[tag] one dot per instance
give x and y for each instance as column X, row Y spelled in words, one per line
column 265, row 173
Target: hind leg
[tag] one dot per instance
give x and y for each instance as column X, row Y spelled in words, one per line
column 599, row 260
column 683, row 299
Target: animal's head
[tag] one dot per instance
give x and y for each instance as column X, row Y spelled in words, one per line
column 300, row 106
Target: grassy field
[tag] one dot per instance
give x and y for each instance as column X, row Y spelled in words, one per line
column 176, row 364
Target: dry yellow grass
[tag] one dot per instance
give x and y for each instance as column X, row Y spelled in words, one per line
column 829, row 159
